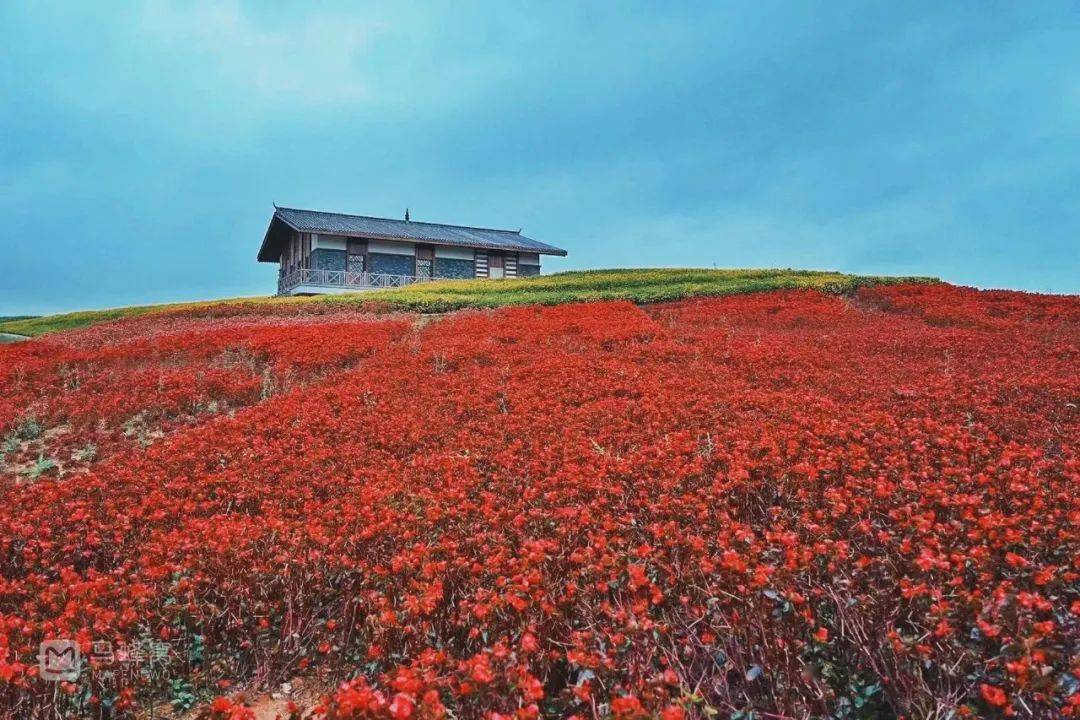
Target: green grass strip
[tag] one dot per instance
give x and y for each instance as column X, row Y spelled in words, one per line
column 639, row 286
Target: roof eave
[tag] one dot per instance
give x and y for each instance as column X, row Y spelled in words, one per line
column 264, row 254
column 551, row 250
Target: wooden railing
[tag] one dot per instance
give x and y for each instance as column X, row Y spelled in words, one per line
column 345, row 279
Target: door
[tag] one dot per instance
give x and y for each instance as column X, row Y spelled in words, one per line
column 496, row 266
column 357, row 250
column 425, row 258
column 356, row 263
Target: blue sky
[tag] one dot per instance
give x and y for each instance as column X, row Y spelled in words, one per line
column 141, row 145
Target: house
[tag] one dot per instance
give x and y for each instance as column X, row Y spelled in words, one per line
column 325, row 252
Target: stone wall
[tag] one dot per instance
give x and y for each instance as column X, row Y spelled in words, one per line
column 454, row 268
column 324, row 259
column 391, row 264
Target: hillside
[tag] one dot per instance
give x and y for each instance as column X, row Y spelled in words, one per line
column 855, row 500
column 634, row 285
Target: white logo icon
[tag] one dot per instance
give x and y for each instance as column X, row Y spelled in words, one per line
column 59, row 660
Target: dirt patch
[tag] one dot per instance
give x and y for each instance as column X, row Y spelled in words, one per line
column 868, row 304
column 423, row 320
column 21, row 456
column 305, row 693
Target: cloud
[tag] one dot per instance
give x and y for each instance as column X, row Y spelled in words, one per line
column 310, row 61
column 939, row 139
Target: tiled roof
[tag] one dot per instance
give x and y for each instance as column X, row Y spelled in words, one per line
column 414, row 231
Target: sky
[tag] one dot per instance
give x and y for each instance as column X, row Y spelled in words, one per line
column 143, row 144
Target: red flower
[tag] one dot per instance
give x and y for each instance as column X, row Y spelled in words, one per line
column 478, row 509
column 993, row 695
column 401, row 706
column 672, row 712
column 627, row 706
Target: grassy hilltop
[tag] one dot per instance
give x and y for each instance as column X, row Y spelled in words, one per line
column 643, row 286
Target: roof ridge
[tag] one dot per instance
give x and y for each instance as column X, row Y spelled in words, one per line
column 411, row 222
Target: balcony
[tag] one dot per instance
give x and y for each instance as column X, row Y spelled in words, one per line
column 306, row 280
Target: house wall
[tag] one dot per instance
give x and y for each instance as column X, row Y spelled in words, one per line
column 329, row 252
column 327, row 242
column 453, row 262
column 454, row 253
column 295, row 253
column 391, row 257
column 514, row 264
column 454, row 268
column 326, row 259
column 392, row 247
column 528, row 264
column 391, row 263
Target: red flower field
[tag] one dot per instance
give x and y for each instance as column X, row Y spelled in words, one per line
column 778, row 505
